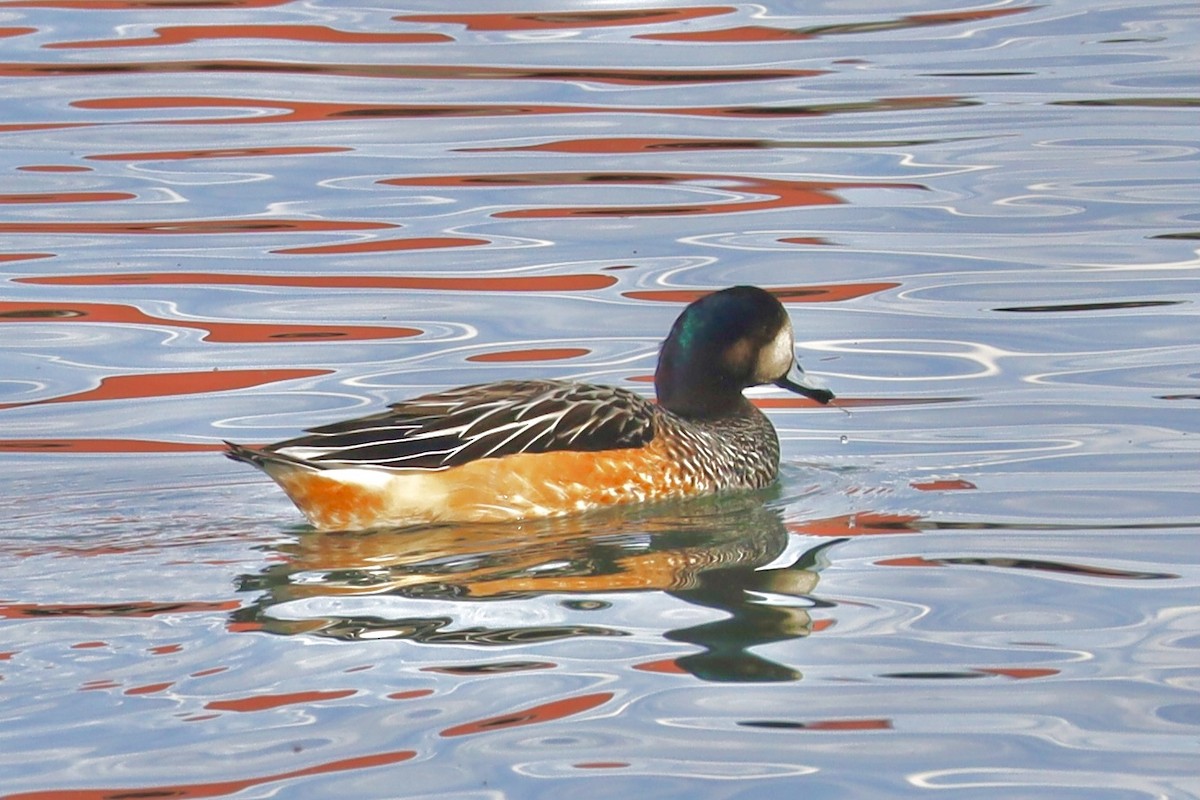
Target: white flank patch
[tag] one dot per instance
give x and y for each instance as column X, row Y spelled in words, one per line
column 368, row 478
column 409, row 497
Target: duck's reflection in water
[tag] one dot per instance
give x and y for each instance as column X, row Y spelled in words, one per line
column 429, row 585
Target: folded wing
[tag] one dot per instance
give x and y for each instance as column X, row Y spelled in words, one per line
column 446, row 429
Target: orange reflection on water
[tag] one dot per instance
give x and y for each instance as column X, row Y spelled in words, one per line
column 796, row 402
column 942, row 485
column 186, row 34
column 264, row 702
column 531, row 283
column 866, row 523
column 216, row 788
column 662, row 666
column 54, row 168
column 149, row 688
column 219, row 152
column 532, row 354
column 764, row 33
column 1020, row 673
column 5, row 257
column 780, row 193
column 831, row 293
column 194, row 226
column 554, row 20
column 225, row 332
column 384, row 246
column 848, row 725
column 423, row 72
column 133, row 5
column 546, row 712
column 64, row 197
column 814, row 241
column 301, row 111
column 41, row 126
column 172, row 384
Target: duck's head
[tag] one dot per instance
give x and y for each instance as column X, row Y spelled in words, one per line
column 723, row 343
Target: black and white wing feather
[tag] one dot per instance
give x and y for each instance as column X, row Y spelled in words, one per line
column 446, row 429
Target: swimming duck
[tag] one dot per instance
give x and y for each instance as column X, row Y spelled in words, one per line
column 522, row 449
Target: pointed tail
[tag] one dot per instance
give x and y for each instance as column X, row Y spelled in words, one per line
column 265, row 459
column 247, row 455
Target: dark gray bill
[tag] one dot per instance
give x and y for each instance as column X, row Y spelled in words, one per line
column 796, row 381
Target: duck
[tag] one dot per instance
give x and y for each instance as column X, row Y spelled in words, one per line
column 524, row 449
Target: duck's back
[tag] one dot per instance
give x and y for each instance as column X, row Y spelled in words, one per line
column 494, row 420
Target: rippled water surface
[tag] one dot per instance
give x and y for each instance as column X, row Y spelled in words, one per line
column 235, row 219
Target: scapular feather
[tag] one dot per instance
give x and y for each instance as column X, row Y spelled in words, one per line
column 446, row 429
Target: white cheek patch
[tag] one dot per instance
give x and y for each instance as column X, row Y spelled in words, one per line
column 776, row 358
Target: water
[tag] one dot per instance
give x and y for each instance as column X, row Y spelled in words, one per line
column 234, row 220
